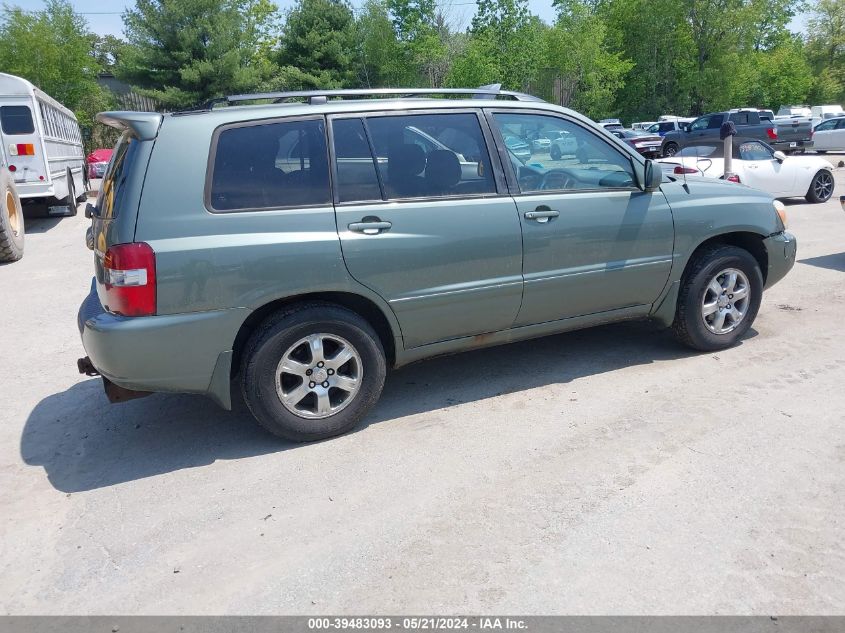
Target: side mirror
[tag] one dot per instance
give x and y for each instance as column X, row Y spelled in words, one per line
column 653, row 176
column 779, row 156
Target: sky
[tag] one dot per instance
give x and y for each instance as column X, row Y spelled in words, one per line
column 103, row 16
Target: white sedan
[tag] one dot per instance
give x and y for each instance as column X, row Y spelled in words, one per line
column 830, row 135
column 757, row 165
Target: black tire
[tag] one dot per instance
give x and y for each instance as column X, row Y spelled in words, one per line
column 12, row 229
column 670, row 149
column 821, row 187
column 275, row 337
column 554, row 152
column 689, row 326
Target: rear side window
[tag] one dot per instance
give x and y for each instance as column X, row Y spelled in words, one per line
column 112, row 189
column 356, row 171
column 16, row 120
column 431, row 155
column 270, row 166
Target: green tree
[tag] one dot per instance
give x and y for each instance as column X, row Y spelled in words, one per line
column 184, row 52
column 420, row 32
column 826, row 50
column 52, row 48
column 587, row 73
column 318, row 47
column 385, row 60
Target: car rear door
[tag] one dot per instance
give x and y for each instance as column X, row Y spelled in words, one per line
column 441, row 243
column 593, row 241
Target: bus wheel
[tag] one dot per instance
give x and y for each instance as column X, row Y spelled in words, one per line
column 11, row 220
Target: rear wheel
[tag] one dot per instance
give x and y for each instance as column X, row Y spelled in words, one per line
column 554, row 152
column 671, row 149
column 312, row 372
column 719, row 298
column 821, row 187
column 12, row 231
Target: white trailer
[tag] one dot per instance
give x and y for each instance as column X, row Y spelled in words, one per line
column 41, row 146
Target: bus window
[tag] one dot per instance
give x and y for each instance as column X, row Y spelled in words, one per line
column 16, row 120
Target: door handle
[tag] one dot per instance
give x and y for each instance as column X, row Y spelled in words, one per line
column 541, row 214
column 370, row 226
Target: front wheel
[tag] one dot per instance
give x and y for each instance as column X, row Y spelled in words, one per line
column 670, row 150
column 12, row 232
column 312, row 372
column 719, row 298
column 554, row 152
column 821, row 187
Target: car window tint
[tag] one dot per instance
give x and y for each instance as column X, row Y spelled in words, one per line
column 272, row 165
column 827, row 125
column 584, row 161
column 701, row 124
column 431, row 155
column 16, row 120
column 753, row 150
column 356, row 172
column 840, row 124
column 740, row 118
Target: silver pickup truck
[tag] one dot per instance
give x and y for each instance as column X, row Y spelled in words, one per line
column 783, row 136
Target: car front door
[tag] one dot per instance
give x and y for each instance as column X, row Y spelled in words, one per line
column 593, row 241
column 762, row 171
column 440, row 242
column 825, row 135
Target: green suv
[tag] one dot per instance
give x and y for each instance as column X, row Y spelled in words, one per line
column 298, row 248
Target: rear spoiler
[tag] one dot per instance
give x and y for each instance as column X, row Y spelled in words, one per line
column 144, row 125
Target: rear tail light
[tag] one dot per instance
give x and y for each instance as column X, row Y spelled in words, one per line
column 130, row 279
column 680, row 169
column 772, row 133
column 22, row 149
column 12, row 168
column 733, row 178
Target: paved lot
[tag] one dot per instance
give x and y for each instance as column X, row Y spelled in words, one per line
column 604, row 471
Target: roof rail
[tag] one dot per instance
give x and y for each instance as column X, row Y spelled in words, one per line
column 317, row 97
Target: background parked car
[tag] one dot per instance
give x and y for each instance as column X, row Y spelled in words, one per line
column 795, row 110
column 824, row 112
column 97, row 162
column 563, row 144
column 646, row 144
column 749, row 124
column 642, row 125
column 829, row 135
column 757, row 165
column 662, row 127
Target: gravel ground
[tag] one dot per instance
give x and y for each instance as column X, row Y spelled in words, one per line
column 602, row 471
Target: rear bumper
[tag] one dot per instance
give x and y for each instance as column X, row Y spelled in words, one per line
column 185, row 353
column 782, row 248
column 782, row 145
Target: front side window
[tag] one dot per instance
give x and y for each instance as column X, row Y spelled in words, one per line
column 754, row 150
column 16, row 120
column 700, row 124
column 270, row 166
column 586, row 162
column 431, row 155
column 827, row 125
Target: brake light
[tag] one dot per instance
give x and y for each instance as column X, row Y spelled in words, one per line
column 22, row 149
column 130, row 279
column 772, row 133
column 680, row 169
column 732, row 178
column 12, row 168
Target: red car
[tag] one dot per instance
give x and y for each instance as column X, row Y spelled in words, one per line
column 646, row 144
column 97, row 162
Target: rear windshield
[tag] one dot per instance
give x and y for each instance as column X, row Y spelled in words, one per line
column 112, row 190
column 16, row 120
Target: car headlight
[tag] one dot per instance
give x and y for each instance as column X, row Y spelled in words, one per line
column 781, row 211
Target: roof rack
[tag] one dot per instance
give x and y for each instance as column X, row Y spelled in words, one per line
column 317, row 97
